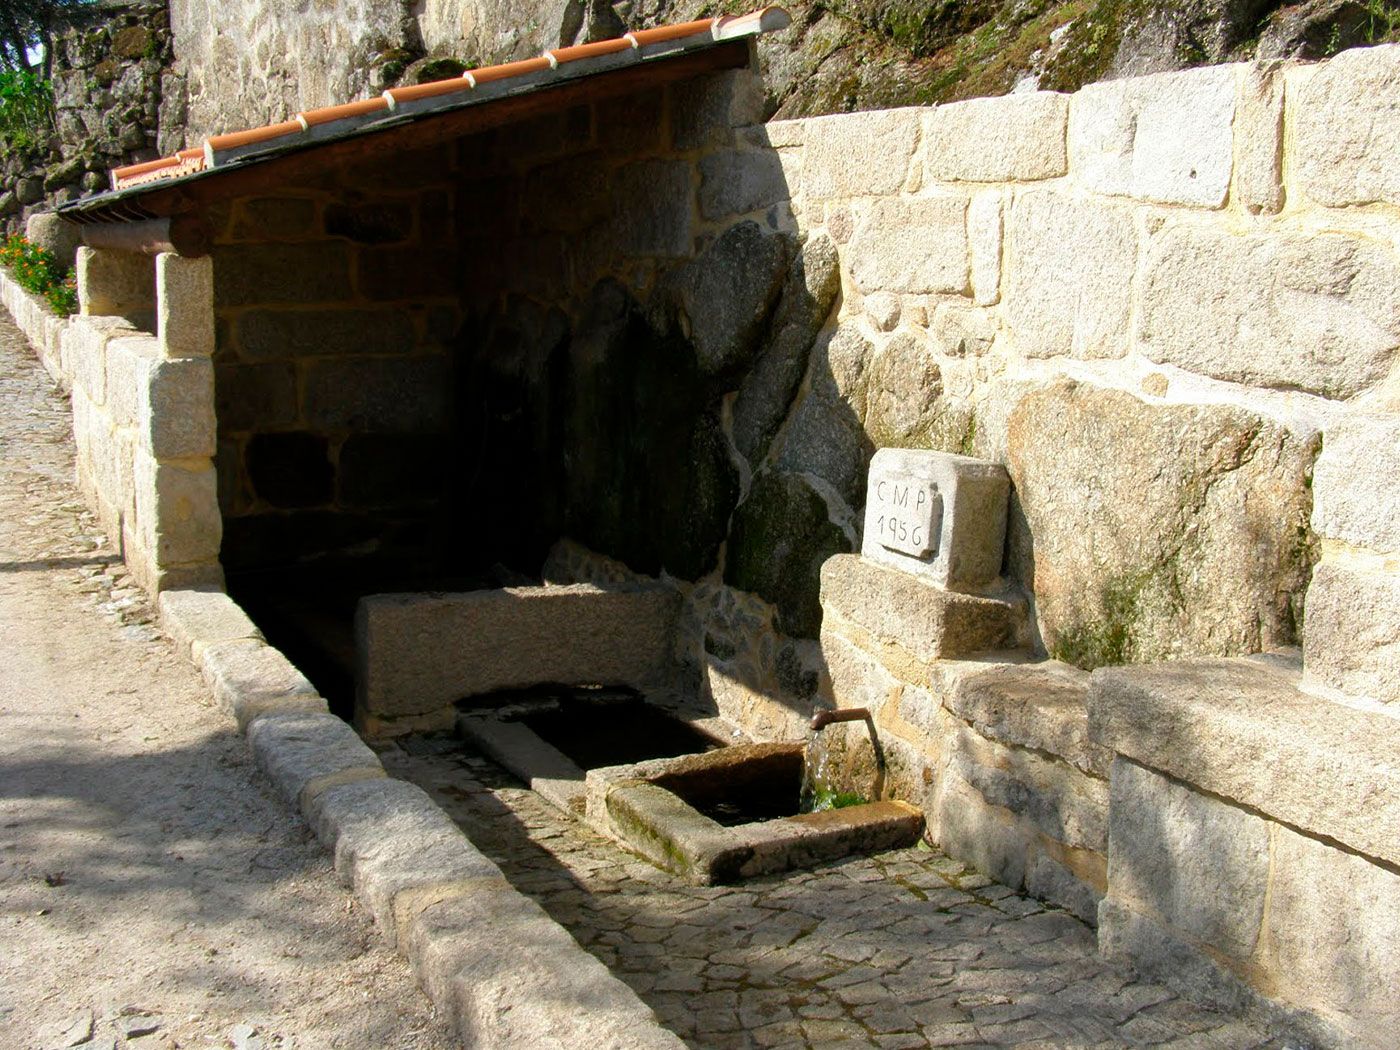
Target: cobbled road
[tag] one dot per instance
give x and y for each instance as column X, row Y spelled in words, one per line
column 898, row 950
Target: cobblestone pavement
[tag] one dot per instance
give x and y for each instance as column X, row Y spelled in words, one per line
column 903, row 949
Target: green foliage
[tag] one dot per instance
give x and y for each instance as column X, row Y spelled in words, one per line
column 36, row 270
column 1382, row 21
column 26, row 108
column 824, row 798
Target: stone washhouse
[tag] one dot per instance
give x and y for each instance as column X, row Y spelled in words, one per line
column 575, row 371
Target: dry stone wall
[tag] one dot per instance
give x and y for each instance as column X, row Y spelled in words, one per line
column 116, row 102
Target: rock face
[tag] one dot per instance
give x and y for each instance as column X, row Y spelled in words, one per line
column 116, row 102
column 1156, row 531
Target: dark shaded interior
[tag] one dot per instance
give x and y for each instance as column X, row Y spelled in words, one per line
column 615, row 730
column 762, row 787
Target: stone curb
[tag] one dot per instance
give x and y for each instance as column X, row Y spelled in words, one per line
column 251, row 678
column 486, row 954
column 307, row 754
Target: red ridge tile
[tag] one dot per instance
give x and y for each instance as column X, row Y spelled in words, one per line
column 254, row 135
column 326, row 114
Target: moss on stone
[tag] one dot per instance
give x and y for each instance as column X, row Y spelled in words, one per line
column 782, row 534
column 1109, row 641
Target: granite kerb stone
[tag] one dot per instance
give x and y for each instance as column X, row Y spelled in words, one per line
column 485, row 953
column 250, row 678
column 198, row 619
column 305, row 754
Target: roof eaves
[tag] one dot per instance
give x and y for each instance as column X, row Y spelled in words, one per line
column 475, row 87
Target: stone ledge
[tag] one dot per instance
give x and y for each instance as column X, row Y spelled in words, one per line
column 901, row 609
column 417, row 654
column 306, row 754
column 1243, row 730
column 1041, row 706
column 198, row 619
column 251, row 679
column 392, row 843
column 513, row 978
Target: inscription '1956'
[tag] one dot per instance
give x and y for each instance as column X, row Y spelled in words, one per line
column 908, row 514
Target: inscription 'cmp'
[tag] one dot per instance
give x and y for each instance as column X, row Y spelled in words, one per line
column 908, row 514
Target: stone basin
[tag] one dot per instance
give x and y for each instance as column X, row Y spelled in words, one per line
column 721, row 812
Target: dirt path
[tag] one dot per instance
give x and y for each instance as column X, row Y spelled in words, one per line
column 149, row 881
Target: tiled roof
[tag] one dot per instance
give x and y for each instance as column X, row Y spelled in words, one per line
column 473, row 87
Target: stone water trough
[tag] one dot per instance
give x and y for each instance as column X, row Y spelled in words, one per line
column 696, row 805
column 571, row 688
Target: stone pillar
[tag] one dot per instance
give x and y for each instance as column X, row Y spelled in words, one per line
column 185, row 305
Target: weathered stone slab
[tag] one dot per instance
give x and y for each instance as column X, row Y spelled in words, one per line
column 1315, row 312
column 1259, row 139
column 397, row 848
column 1346, row 135
column 833, row 144
column 117, row 284
column 1011, row 138
column 937, row 515
column 1052, row 798
column 250, row 679
column 736, row 182
column 199, row 619
column 1242, row 729
column 1166, row 138
column 419, row 653
column 177, row 517
column 1334, row 936
column 1069, row 276
column 1195, row 863
column 1351, row 634
column 1156, row 531
column 911, row 244
column 984, row 235
column 515, row 979
column 405, row 394
column 307, row 753
column 1041, row 706
column 170, row 401
column 900, row 609
column 272, row 335
column 1348, row 502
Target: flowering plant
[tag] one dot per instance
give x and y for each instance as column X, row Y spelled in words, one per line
column 37, row 270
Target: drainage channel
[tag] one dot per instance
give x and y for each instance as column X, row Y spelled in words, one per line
column 904, row 948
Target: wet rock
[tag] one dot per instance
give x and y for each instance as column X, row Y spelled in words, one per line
column 647, row 474
column 767, row 391
column 782, row 534
column 825, row 435
column 723, row 298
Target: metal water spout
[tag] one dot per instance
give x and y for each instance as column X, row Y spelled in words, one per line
column 822, row 719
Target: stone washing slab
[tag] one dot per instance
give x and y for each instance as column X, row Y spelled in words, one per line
column 905, row 610
column 1243, row 730
column 419, row 653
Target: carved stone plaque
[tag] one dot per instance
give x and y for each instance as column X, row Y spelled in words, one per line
column 908, row 512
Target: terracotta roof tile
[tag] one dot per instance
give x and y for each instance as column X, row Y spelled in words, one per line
column 365, row 107
column 474, row 86
column 665, row 34
column 511, row 69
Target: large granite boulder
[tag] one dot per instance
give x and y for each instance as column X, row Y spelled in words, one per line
column 1158, row 531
